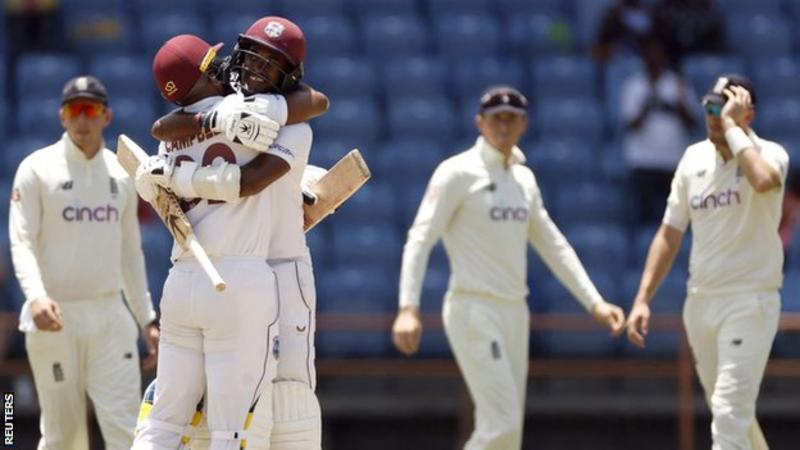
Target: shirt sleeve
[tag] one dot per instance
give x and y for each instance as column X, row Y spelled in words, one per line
column 443, row 196
column 779, row 159
column 293, row 143
column 558, row 254
column 676, row 214
column 24, row 225
column 276, row 107
column 134, row 278
column 631, row 98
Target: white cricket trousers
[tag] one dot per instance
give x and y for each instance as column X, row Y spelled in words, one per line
column 489, row 338
column 95, row 354
column 731, row 338
column 217, row 343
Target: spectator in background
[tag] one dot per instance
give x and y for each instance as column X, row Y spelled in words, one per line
column 658, row 120
column 32, row 25
column 689, row 26
column 623, row 27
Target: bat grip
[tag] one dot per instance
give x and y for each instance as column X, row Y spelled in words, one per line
column 205, row 263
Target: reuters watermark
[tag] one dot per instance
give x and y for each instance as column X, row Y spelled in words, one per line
column 8, row 419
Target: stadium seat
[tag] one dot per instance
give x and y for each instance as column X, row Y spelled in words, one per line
column 617, row 71
column 421, row 118
column 703, row 70
column 362, row 7
column 15, row 150
column 124, row 75
column 589, row 15
column 376, row 244
column 40, row 117
column 466, row 36
column 589, row 203
column 133, row 116
column 415, row 76
column 532, row 36
column 372, row 204
column 320, row 245
column 157, row 247
column 751, row 8
column 43, row 75
column 226, row 28
column 328, row 36
column 474, row 76
column 776, row 78
column 158, row 28
column 309, row 8
column 258, row 9
column 563, row 77
column 325, row 152
column 669, row 300
column 388, row 37
column 145, row 7
column 342, row 76
column 93, row 5
column 439, row 7
column 787, row 343
column 779, row 118
column 559, row 119
column 350, row 118
column 759, row 35
column 603, row 247
column 407, row 161
column 93, row 31
column 557, row 160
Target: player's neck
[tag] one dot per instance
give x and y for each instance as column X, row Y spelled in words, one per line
column 90, row 149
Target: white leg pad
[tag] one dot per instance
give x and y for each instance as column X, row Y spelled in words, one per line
column 297, row 417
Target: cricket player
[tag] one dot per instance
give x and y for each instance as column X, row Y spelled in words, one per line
column 289, row 255
column 218, row 345
column 76, row 247
column 729, row 187
column 486, row 205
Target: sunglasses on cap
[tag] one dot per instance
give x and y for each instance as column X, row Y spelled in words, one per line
column 713, row 107
column 89, row 109
column 503, row 98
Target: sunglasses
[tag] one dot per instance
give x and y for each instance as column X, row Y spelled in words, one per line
column 89, row 109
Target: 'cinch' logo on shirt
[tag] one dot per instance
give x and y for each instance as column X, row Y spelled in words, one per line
column 105, row 213
column 714, row 201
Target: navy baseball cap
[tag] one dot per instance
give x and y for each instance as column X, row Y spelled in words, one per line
column 85, row 86
column 498, row 99
column 716, row 95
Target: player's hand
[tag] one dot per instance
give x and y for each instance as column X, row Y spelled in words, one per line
column 46, row 314
column 638, row 323
column 611, row 316
column 407, row 331
column 254, row 131
column 150, row 335
column 311, row 175
column 737, row 106
column 155, row 171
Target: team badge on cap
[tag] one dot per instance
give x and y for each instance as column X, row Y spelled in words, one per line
column 274, row 29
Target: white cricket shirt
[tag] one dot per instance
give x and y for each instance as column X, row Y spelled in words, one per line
column 735, row 242
column 240, row 228
column 74, row 230
column 486, row 214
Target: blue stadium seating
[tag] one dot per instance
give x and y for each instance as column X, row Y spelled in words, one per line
column 317, row 240
column 389, row 37
column 362, row 7
column 158, row 28
column 590, row 203
column 776, row 78
column 43, row 75
column 226, row 28
column 511, row 7
column 463, row 36
column 356, row 289
column 377, row 244
column 561, row 119
column 760, row 36
column 589, row 16
column 472, row 77
column 133, row 116
column 124, row 75
column 92, row 31
column 257, row 9
column 414, row 76
column 749, row 7
column 779, row 118
column 372, row 204
column 342, row 76
column 147, row 7
column 617, row 71
column 703, row 70
column 441, row 7
column 563, row 77
column 350, row 118
column 40, row 117
column 554, row 161
column 157, row 247
column 93, row 5
column 602, row 247
column 15, row 150
column 328, row 36
column 309, row 8
column 787, row 344
column 423, row 118
column 407, row 161
column 535, row 35
column 668, row 300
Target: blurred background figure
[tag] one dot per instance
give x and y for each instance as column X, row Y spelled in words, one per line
column 33, row 25
column 623, row 28
column 658, row 119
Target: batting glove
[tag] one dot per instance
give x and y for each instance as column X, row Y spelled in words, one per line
column 218, row 118
column 311, row 175
column 254, row 131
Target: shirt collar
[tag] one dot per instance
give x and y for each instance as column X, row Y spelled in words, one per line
column 73, row 152
column 494, row 157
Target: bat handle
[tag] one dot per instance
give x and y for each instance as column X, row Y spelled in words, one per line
column 205, row 263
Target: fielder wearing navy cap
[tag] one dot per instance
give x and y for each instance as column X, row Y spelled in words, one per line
column 715, row 98
column 503, row 99
column 84, row 87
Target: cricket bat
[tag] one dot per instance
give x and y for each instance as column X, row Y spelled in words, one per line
column 130, row 156
column 343, row 180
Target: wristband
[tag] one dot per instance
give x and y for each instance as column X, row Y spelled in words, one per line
column 737, row 140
